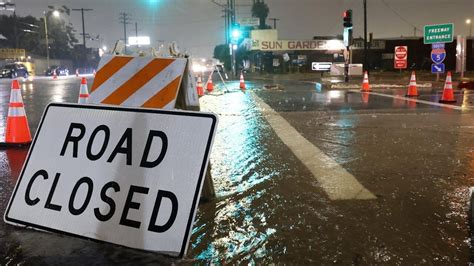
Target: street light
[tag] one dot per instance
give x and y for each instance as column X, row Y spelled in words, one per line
column 55, row 14
column 468, row 21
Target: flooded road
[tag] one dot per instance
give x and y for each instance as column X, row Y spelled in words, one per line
column 273, row 205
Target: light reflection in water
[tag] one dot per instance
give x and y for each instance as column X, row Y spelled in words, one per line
column 238, row 228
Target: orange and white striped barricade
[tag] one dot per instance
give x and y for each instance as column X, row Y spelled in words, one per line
column 138, row 81
column 150, row 82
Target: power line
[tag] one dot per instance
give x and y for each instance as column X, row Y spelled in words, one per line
column 83, row 25
column 402, row 18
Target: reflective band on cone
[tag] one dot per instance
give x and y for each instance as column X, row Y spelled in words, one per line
column 448, row 94
column 412, row 90
column 365, row 82
column 17, row 130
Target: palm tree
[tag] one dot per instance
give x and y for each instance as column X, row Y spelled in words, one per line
column 260, row 10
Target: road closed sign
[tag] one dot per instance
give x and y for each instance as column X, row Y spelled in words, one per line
column 121, row 175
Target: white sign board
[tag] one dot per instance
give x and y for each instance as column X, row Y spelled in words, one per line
column 321, row 66
column 127, row 176
column 249, row 22
column 139, row 40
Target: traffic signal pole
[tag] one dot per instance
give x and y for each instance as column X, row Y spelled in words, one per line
column 365, row 35
column 347, row 39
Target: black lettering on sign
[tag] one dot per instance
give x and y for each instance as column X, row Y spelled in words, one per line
column 174, row 211
column 106, row 130
column 150, row 164
column 74, row 139
column 129, row 204
column 103, row 195
column 28, row 199
column 90, row 187
column 127, row 150
column 48, row 204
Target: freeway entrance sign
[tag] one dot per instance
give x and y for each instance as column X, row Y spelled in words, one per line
column 438, row 33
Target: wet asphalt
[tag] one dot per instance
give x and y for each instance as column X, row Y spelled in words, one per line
column 417, row 159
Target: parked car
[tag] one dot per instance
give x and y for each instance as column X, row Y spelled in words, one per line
column 60, row 71
column 14, row 71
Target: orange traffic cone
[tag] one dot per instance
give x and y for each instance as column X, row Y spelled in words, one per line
column 55, row 76
column 84, row 92
column 412, row 91
column 448, row 94
column 77, row 72
column 17, row 131
column 200, row 89
column 210, row 85
column 242, row 82
column 365, row 82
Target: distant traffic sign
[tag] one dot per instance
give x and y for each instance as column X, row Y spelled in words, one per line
column 129, row 176
column 400, row 58
column 439, row 33
column 438, row 55
column 437, row 46
column 249, row 22
column 437, row 68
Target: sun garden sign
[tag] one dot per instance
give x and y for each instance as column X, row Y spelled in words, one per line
column 439, row 33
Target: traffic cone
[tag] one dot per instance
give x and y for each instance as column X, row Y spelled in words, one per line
column 365, row 82
column 242, row 82
column 412, row 91
column 210, row 85
column 448, row 94
column 55, row 76
column 200, row 89
column 17, row 131
column 77, row 72
column 84, row 92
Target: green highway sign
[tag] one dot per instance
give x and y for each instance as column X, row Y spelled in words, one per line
column 440, row 33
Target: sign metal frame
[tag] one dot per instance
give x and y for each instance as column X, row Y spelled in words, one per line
column 195, row 200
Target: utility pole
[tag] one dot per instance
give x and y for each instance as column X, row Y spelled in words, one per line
column 83, row 24
column 124, row 19
column 365, row 35
column 274, row 22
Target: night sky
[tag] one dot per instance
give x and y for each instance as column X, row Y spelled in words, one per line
column 197, row 25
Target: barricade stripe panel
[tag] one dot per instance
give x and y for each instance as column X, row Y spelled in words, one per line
column 164, row 96
column 118, row 78
column 137, row 81
column 109, row 69
column 158, row 82
column 16, row 112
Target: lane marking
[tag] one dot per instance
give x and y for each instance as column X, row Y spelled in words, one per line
column 455, row 107
column 335, row 180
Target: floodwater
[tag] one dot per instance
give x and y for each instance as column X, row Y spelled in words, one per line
column 417, row 159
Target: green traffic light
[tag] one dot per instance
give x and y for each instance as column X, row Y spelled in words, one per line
column 236, row 33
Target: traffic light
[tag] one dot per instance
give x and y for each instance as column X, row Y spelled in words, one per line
column 347, row 18
column 235, row 33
